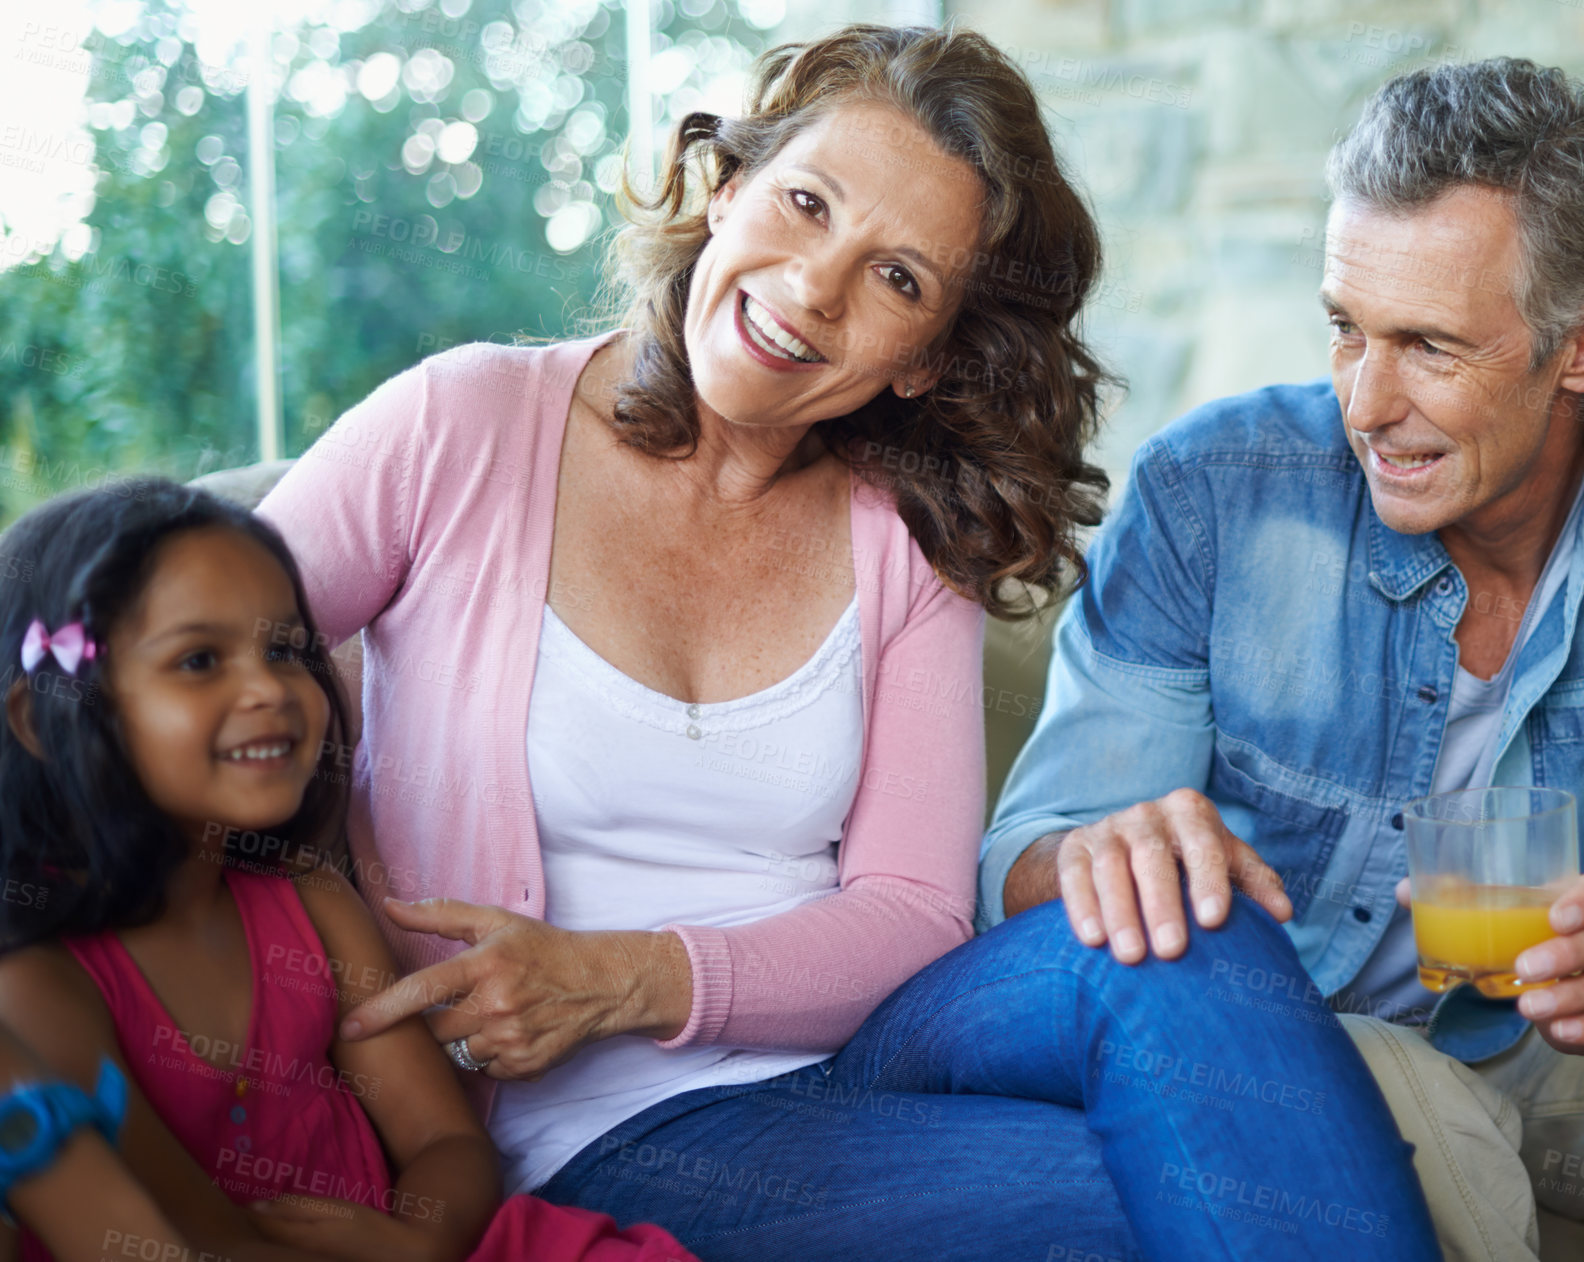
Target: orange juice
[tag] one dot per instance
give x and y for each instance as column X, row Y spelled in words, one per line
column 1474, row 933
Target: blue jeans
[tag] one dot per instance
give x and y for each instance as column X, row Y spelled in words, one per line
column 1025, row 1096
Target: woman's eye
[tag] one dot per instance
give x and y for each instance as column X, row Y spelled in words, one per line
column 806, row 201
column 900, row 279
column 201, row 659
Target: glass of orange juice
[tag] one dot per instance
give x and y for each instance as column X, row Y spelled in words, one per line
column 1484, row 867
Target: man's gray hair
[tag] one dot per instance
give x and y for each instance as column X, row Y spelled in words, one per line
column 1503, row 123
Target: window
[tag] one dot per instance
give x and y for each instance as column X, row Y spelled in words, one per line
column 443, row 172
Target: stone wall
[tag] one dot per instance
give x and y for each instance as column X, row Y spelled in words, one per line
column 1199, row 129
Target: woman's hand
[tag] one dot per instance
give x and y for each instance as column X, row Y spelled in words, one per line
column 527, row 995
column 344, row 1230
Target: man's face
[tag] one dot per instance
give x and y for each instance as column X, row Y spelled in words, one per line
column 1430, row 359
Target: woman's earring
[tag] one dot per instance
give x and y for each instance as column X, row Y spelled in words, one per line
column 907, row 390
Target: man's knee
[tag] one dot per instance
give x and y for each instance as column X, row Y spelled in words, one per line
column 1409, row 1071
column 1465, row 1135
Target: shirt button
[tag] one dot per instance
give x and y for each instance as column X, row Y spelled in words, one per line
column 1428, row 694
column 238, row 1114
column 693, row 732
column 1397, row 821
column 1362, row 915
column 693, row 711
column 1445, row 585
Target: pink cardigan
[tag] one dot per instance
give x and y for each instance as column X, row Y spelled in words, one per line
column 424, row 517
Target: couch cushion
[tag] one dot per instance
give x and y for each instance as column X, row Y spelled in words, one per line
column 246, row 486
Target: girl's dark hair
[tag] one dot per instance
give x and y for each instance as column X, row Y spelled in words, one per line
column 988, row 466
column 82, row 849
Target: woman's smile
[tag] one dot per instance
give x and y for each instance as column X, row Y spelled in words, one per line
column 770, row 342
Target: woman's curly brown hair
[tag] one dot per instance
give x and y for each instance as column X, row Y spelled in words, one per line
column 987, row 468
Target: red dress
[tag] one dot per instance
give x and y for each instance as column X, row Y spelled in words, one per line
column 276, row 1117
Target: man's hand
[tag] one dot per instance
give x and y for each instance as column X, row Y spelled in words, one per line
column 1105, row 871
column 1558, row 1010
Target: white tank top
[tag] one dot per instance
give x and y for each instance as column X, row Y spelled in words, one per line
column 651, row 811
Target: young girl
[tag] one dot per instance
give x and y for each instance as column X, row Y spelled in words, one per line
column 171, row 908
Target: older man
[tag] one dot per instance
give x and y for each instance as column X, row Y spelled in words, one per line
column 1315, row 603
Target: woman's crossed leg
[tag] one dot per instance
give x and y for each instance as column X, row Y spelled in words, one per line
column 1025, row 1096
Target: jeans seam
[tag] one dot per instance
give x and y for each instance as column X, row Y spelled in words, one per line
column 913, row 1033
column 1182, row 1147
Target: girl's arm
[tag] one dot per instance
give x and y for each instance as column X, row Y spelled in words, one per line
column 51, row 1202
column 447, row 1174
column 93, row 1203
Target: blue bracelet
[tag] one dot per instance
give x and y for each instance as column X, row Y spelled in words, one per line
column 36, row 1118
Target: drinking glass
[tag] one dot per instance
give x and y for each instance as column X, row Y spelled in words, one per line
column 1484, row 867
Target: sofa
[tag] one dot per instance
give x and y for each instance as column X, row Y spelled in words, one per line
column 1015, row 662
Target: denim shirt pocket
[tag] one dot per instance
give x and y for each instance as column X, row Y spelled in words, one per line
column 1293, row 834
column 1556, row 737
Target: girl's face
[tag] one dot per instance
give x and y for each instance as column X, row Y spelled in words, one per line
column 220, row 715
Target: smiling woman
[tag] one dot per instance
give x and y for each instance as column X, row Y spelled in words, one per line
column 907, row 221
column 715, row 809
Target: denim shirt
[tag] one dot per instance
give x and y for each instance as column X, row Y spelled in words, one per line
column 1251, row 629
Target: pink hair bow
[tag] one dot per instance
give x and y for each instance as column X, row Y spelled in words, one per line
column 70, row 645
